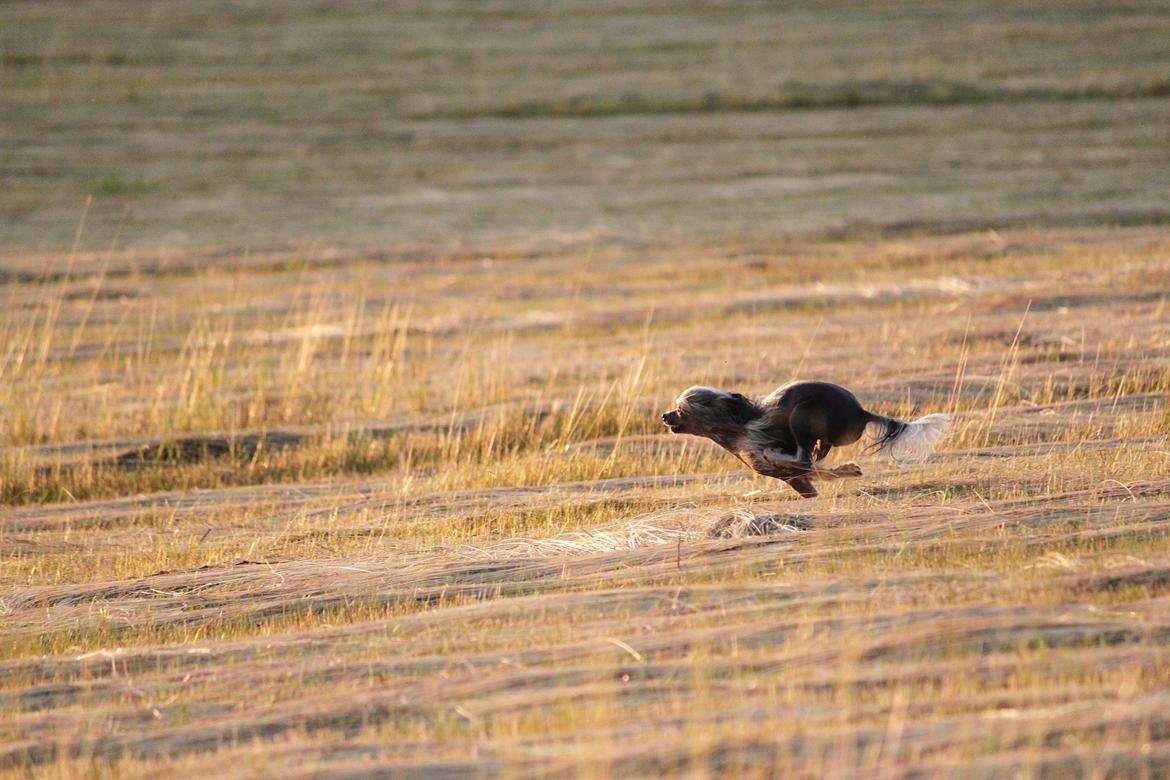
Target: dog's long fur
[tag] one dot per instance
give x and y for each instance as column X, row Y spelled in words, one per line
column 787, row 433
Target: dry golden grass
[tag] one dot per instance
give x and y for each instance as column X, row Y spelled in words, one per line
column 416, row 515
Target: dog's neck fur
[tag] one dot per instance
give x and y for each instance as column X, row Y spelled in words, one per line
column 729, row 428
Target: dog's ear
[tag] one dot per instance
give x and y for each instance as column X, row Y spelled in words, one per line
column 740, row 409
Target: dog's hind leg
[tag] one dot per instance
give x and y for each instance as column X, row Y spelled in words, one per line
column 810, row 431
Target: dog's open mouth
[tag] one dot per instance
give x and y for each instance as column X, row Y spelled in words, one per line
column 674, row 420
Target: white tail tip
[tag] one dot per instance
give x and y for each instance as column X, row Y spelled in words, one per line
column 919, row 438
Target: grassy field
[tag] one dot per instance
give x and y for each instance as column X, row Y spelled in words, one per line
column 333, row 341
column 424, row 123
column 418, row 514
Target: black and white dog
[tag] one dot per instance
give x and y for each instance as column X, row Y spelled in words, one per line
column 787, row 433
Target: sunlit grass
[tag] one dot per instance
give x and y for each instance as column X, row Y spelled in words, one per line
column 424, row 526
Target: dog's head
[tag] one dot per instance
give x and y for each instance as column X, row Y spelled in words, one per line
column 705, row 411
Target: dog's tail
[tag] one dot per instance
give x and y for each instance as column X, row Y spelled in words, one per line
column 905, row 441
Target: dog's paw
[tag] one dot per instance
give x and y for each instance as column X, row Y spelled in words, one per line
column 848, row 470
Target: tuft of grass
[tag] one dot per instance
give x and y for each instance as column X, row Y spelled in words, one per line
column 117, row 185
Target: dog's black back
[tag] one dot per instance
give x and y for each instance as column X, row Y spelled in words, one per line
column 809, row 412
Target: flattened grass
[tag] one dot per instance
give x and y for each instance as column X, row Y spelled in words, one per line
column 429, row 533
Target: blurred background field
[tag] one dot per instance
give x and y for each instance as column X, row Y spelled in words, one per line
column 250, row 124
column 333, row 340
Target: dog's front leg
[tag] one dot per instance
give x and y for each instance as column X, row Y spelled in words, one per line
column 775, row 462
column 802, row 485
column 767, row 459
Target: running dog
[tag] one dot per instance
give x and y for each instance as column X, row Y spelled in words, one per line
column 786, row 434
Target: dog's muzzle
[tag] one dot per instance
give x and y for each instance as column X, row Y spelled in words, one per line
column 674, row 421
